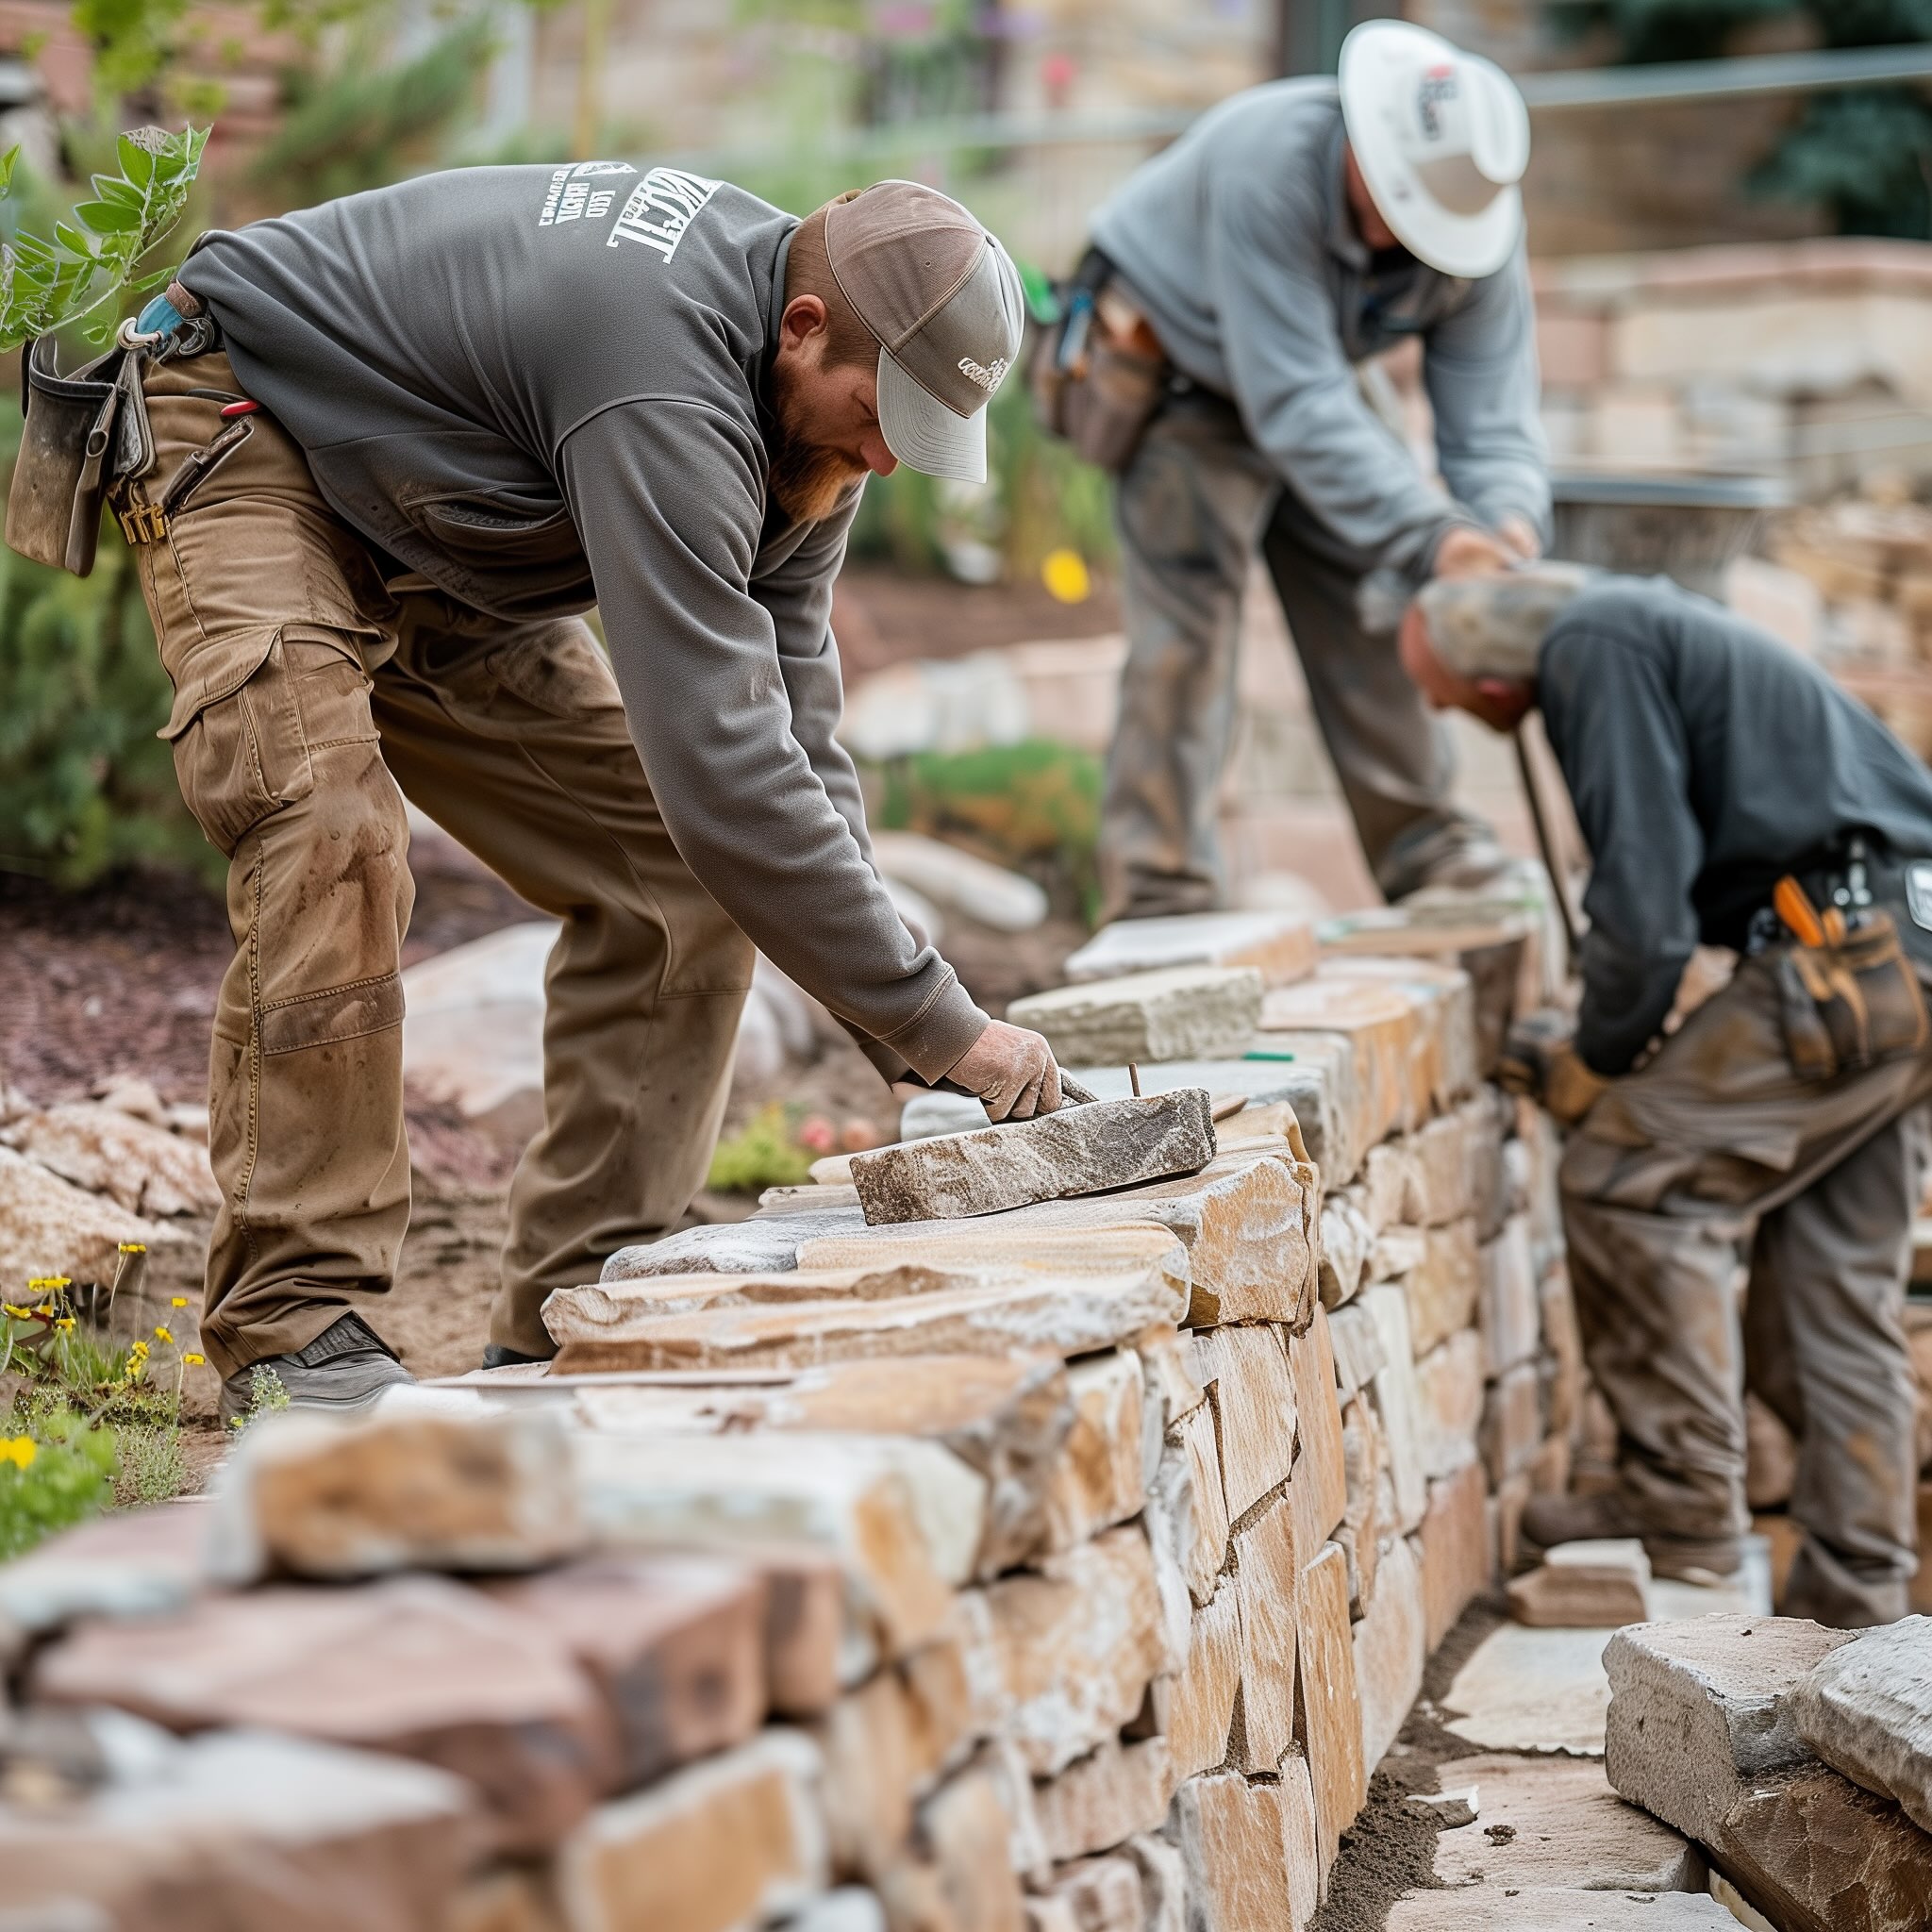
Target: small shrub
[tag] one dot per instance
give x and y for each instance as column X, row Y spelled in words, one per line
column 266, row 1393
column 59, row 1472
column 764, row 1152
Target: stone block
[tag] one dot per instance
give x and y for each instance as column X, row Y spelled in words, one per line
column 903, row 1517
column 1457, row 1561
column 1178, row 1013
column 1234, row 1840
column 1101, row 1894
column 1393, row 1186
column 1200, row 1702
column 1585, row 1586
column 1190, row 1492
column 1327, row 1724
column 1246, row 1371
column 1346, row 1245
column 944, row 1719
column 734, row 1840
column 805, row 1633
column 1696, row 1706
column 1267, row 1582
column 1398, row 1402
column 1443, row 1055
column 1442, row 1155
column 1554, row 1822
column 1512, row 1421
column 869, row 1784
column 733, row 1247
column 1541, row 1690
column 1163, row 1882
column 1389, row 1649
column 1117, row 1789
column 1319, row 1488
column 675, row 1645
column 1564, row 1341
column 1074, row 1646
column 1356, row 1345
column 1509, row 1312
column 1381, row 1029
column 1449, row 1384
column 313, row 1495
column 1080, row 1150
column 1488, row 1116
column 415, row 1666
column 1445, row 1287
column 232, row 1829
column 969, row 1876
column 1278, row 945
column 1866, row 1708
column 1097, row 1479
column 1506, row 1519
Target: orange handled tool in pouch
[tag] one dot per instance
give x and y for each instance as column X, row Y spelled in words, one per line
column 1851, row 997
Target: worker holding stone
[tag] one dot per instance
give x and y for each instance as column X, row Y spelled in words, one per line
column 403, row 439
column 1213, row 356
column 1731, row 795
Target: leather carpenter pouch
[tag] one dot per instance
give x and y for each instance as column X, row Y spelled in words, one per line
column 82, row 431
column 1100, row 399
column 1853, row 1004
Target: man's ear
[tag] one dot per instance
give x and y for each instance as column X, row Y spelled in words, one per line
column 804, row 317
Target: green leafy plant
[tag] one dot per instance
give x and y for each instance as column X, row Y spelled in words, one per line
column 764, row 1152
column 59, row 1472
column 266, row 1394
column 51, row 285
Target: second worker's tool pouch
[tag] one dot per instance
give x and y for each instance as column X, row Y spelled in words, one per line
column 1851, row 1006
column 83, row 432
column 1097, row 374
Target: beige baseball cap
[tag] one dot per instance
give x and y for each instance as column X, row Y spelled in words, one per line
column 944, row 300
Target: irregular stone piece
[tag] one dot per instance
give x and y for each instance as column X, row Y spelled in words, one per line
column 1392, row 1187
column 413, row 1665
column 1279, row 946
column 320, row 1497
column 1449, row 1384
column 48, row 1226
column 1445, row 1287
column 1512, row 1421
column 1456, row 1562
column 1560, row 1826
column 1319, row 1488
column 1510, row 1313
column 1307, row 1877
column 1201, row 1700
column 904, row 1518
column 1365, row 1456
column 1356, row 1345
column 1540, row 1691
column 1346, row 1245
column 1163, row 1882
column 139, row 1166
column 805, row 1628
column 970, row 1877
column 1442, row 1068
column 1234, row 1841
column 674, row 1645
column 1190, row 1470
column 1075, row 1646
column 1267, row 1584
column 1080, row 1150
column 1695, row 1706
column 1328, row 1722
column 733, row 1247
column 1389, row 1650
column 1564, row 1341
column 1377, row 1027
column 1102, row 1895
column 1097, row 1480
column 127, row 1563
column 1547, row 1910
column 1249, row 1383
column 729, row 1842
column 1866, row 1708
column 1441, row 1149
column 1100, row 1799
column 236, row 1828
column 1129, row 1245
column 1398, row 1403
column 1585, row 1586
column 1179, row 1013
column 867, row 1789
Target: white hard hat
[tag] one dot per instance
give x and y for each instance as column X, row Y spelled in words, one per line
column 1442, row 137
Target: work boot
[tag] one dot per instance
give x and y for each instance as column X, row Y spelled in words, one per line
column 345, row 1369
column 498, row 1355
column 1548, row 1521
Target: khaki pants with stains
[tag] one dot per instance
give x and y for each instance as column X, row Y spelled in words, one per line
column 1191, row 507
column 310, row 699
column 1716, row 1151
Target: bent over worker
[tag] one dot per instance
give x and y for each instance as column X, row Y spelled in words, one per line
column 487, row 399
column 1732, row 795
column 1293, row 233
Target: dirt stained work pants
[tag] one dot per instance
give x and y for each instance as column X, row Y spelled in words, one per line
column 309, row 701
column 1192, row 505
column 1717, row 1149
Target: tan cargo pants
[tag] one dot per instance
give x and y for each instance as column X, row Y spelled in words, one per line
column 311, row 698
column 1715, row 1150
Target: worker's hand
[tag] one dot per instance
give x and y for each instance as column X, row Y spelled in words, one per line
column 1570, row 1089
column 1467, row 552
column 1539, row 1060
column 1012, row 1071
column 1518, row 535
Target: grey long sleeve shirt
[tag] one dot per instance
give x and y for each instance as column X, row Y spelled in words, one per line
column 1704, row 761
column 1238, row 244
column 542, row 388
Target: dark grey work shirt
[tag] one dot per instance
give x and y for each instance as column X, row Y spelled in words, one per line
column 1705, row 759
column 1239, row 242
column 541, row 388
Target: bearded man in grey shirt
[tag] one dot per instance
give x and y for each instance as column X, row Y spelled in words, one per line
column 401, row 441
column 1293, row 233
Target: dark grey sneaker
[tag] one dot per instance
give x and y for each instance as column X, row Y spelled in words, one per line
column 1548, row 1521
column 345, row 1369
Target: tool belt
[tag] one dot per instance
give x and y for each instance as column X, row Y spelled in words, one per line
column 86, row 438
column 1098, row 373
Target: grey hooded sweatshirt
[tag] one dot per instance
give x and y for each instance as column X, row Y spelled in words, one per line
column 543, row 388
column 1238, row 244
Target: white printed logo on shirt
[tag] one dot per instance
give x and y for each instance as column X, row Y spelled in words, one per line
column 572, row 196
column 661, row 207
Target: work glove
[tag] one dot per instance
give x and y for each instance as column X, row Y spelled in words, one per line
column 1539, row 1060
column 1013, row 1073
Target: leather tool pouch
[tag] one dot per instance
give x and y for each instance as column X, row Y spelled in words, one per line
column 1852, row 1005
column 83, row 432
column 1102, row 397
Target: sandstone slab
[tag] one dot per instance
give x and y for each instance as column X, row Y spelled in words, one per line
column 1510, row 1313
column 126, row 1563
column 1192, row 1503
column 1200, row 1702
column 49, row 1226
column 1585, row 1586
column 1243, row 1874
column 1540, row 1691
column 1177, row 1014
column 1389, row 1650
column 1267, row 1587
column 1347, row 1243
column 1080, row 1150
column 1442, row 1155
column 1455, row 1558
column 1100, row 1894
column 1866, row 1708
column 1444, row 1286
column 1279, row 946
column 1098, row 1478
column 1552, row 1909
column 1356, row 1345
column 1320, row 1486
column 1327, row 1707
column 1449, row 1385
column 1393, row 1186
column 1512, row 1421
column 735, row 1248
column 1114, row 1793
column 1248, row 1380
column 136, row 1164
column 1398, row 1402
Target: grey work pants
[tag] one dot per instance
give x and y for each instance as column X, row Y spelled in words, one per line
column 1717, row 1149
column 1191, row 507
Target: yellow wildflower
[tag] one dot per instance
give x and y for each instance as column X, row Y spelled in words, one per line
column 19, row 1450
column 195, row 1361
column 65, row 1324
column 162, row 1335
column 134, row 1247
column 45, row 1309
column 179, row 1301
column 19, row 1314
